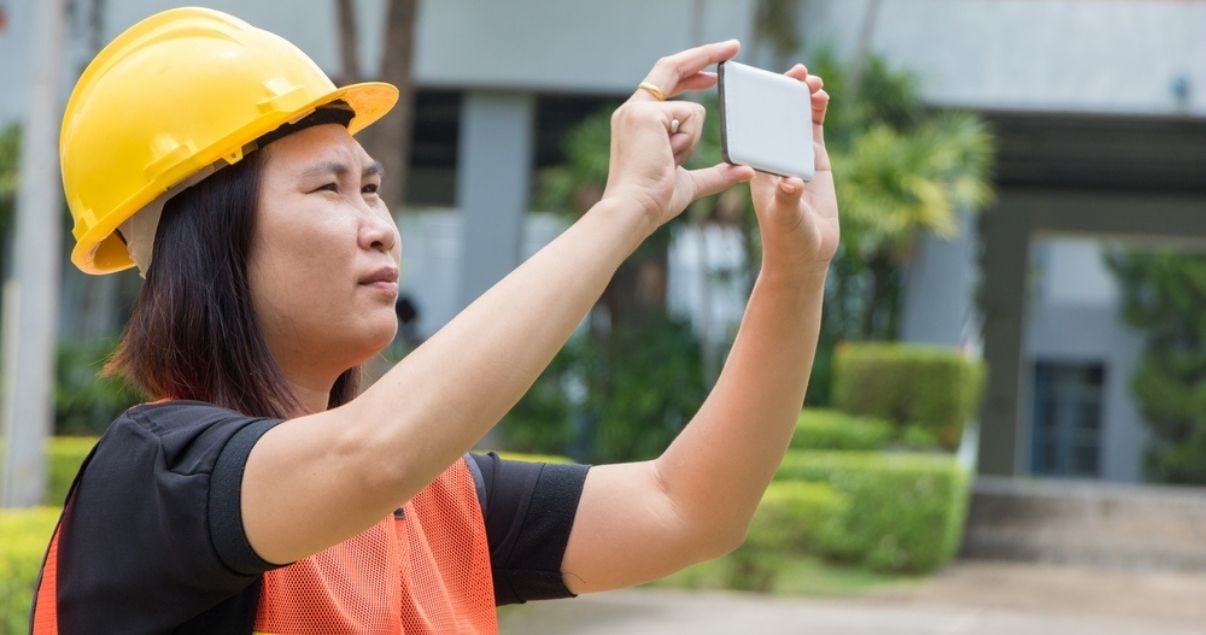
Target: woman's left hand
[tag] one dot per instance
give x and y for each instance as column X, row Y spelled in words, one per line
column 798, row 221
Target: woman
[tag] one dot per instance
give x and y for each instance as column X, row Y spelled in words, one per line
column 261, row 492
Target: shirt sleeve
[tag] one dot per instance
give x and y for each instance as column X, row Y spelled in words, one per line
column 529, row 510
column 154, row 534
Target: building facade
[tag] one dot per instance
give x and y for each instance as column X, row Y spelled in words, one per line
column 1099, row 109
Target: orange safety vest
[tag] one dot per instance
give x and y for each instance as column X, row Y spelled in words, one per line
column 427, row 571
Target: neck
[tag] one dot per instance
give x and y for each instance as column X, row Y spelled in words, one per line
column 311, row 386
column 310, row 374
column 311, row 399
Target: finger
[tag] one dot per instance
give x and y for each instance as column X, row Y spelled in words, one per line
column 702, row 80
column 815, row 83
column 800, row 72
column 686, row 132
column 670, row 73
column 690, row 116
column 681, row 145
column 718, row 178
column 820, row 105
column 789, row 190
column 765, row 180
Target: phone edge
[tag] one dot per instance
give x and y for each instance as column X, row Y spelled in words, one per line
column 724, row 135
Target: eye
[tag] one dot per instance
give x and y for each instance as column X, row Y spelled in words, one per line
column 329, row 187
column 371, row 188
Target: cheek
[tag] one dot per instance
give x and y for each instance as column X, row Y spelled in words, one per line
column 299, row 269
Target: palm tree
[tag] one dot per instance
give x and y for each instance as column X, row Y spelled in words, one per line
column 903, row 171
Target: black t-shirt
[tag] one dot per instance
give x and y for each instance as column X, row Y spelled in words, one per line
column 152, row 536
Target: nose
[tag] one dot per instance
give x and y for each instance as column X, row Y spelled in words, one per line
column 378, row 232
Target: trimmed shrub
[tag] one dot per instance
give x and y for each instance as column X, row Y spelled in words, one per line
column 936, row 388
column 796, row 516
column 793, row 518
column 820, row 429
column 906, row 511
column 915, row 437
column 26, row 534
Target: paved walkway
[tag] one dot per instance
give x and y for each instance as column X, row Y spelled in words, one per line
column 980, row 598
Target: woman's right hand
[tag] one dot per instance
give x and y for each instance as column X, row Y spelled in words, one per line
column 648, row 148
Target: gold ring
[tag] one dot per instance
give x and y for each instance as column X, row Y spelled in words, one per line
column 652, row 89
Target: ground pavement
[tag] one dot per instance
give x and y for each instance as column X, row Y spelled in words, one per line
column 985, row 598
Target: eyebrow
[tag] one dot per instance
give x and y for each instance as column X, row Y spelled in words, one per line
column 340, row 169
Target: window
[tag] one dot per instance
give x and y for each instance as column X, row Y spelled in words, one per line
column 1066, row 428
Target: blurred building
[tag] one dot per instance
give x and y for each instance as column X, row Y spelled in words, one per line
column 1099, row 107
column 1100, row 113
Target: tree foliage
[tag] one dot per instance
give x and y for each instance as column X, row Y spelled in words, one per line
column 902, row 171
column 1163, row 294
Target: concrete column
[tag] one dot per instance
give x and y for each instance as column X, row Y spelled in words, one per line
column 939, row 303
column 1006, row 254
column 493, row 181
column 31, row 295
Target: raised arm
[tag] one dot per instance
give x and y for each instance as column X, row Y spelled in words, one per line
column 316, row 480
column 641, row 521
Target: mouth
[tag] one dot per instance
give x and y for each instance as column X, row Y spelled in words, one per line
column 383, row 278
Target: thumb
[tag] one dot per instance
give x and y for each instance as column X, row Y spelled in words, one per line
column 718, row 178
column 788, row 192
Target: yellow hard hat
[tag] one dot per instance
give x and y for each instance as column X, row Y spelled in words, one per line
column 179, row 93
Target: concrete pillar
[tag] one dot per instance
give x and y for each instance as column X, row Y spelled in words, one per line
column 493, row 181
column 31, row 296
column 1006, row 254
column 939, row 303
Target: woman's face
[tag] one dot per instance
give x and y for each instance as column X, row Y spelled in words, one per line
column 323, row 266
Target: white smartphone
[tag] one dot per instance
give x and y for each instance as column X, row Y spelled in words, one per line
column 765, row 121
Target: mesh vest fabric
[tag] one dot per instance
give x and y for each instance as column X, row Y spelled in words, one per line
column 426, row 570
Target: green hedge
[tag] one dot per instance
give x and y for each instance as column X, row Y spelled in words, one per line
column 905, row 513
column 26, row 534
column 792, row 518
column 797, row 516
column 65, row 454
column 820, row 429
column 915, row 437
column 935, row 388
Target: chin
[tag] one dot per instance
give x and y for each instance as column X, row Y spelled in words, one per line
column 361, row 340
column 379, row 339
